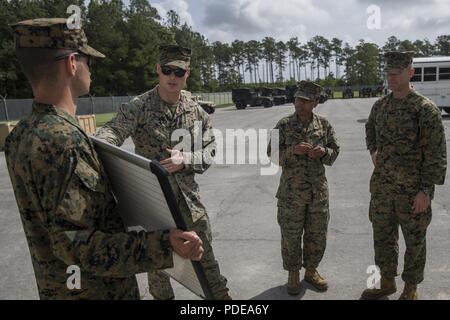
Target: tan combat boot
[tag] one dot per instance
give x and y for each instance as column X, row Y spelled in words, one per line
column 316, row 280
column 227, row 297
column 409, row 293
column 293, row 285
column 387, row 287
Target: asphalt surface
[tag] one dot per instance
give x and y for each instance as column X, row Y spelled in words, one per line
column 242, row 207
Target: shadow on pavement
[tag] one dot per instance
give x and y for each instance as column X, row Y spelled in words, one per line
column 280, row 293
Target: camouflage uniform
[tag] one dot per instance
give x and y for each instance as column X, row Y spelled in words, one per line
column 410, row 140
column 303, row 192
column 150, row 122
column 68, row 212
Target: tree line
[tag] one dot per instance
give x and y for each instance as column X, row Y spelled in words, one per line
column 130, row 35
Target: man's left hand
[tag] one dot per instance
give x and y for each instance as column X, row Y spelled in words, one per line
column 421, row 203
column 317, row 153
column 175, row 163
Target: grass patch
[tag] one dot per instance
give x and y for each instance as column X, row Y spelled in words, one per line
column 339, row 94
column 225, row 105
column 101, row 119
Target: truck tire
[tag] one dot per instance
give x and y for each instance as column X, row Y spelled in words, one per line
column 240, row 106
column 447, row 109
column 268, row 104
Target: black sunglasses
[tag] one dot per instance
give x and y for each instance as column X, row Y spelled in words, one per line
column 77, row 55
column 178, row 71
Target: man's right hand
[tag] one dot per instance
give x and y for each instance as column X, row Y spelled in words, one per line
column 302, row 148
column 187, row 244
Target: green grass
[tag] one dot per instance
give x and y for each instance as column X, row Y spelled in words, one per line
column 12, row 122
column 224, row 105
column 338, row 94
column 101, row 119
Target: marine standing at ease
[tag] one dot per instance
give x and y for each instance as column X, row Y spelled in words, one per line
column 307, row 142
column 406, row 140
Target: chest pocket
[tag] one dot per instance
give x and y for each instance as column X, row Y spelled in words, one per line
column 385, row 123
column 153, row 127
column 407, row 126
column 294, row 136
column 318, row 137
column 187, row 131
column 90, row 177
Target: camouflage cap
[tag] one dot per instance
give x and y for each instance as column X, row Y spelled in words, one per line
column 398, row 59
column 174, row 55
column 308, row 90
column 52, row 33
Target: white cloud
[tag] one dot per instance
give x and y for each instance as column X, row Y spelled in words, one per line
column 420, row 20
column 255, row 19
column 179, row 6
column 221, row 20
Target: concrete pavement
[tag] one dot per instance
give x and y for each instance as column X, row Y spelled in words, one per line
column 242, row 207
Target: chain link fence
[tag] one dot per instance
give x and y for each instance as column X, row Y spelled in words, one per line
column 16, row 109
column 219, row 98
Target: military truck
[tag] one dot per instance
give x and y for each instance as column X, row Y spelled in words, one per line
column 246, row 97
column 290, row 92
column 348, row 94
column 365, row 92
column 378, row 92
column 323, row 97
column 278, row 95
column 208, row 106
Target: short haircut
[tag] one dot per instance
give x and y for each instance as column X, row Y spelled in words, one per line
column 38, row 64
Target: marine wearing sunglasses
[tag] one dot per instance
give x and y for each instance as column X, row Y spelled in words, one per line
column 179, row 73
column 78, row 56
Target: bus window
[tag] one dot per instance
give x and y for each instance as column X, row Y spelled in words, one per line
column 430, row 74
column 444, row 73
column 417, row 75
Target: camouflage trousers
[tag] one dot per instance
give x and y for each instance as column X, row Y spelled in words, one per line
column 307, row 220
column 159, row 282
column 387, row 213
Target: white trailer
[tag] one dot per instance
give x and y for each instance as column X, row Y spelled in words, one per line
column 432, row 79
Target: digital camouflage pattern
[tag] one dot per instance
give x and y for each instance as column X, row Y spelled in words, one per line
column 150, row 122
column 177, row 56
column 398, row 60
column 387, row 212
column 308, row 90
column 52, row 33
column 409, row 138
column 69, row 214
column 303, row 192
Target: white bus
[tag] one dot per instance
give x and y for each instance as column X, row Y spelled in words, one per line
column 432, row 79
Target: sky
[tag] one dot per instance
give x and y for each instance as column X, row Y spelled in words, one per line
column 349, row 20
